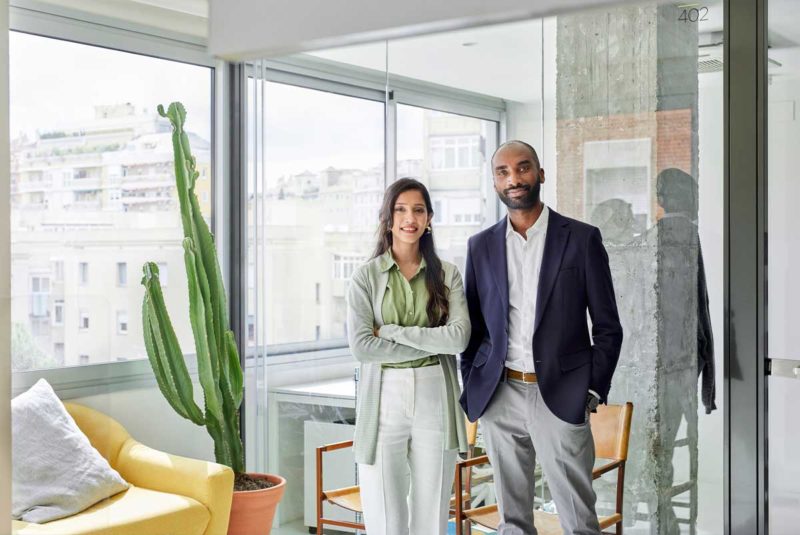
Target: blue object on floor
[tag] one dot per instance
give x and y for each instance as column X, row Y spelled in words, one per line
column 451, row 530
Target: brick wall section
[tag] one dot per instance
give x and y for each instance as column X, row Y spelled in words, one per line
column 670, row 132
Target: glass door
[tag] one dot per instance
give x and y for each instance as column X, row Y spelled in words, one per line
column 783, row 259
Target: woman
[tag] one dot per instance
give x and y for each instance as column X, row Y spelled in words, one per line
column 407, row 317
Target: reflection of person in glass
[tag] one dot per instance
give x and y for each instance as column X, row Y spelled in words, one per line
column 614, row 218
column 532, row 372
column 679, row 244
column 407, row 318
column 684, row 312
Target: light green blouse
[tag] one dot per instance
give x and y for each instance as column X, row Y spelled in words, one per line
column 405, row 303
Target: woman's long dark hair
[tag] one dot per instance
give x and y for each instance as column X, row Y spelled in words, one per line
column 437, row 308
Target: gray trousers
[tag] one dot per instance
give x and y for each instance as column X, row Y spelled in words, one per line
column 517, row 426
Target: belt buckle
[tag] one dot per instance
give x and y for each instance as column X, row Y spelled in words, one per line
column 526, row 377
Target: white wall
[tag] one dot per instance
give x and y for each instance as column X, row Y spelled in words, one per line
column 5, row 282
column 711, row 223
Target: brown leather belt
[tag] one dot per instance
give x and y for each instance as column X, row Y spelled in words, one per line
column 525, row 377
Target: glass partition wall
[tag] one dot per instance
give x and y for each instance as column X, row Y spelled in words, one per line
column 624, row 106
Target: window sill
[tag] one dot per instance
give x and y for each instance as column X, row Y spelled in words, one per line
column 88, row 380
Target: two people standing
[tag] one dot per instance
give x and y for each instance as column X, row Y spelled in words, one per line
column 530, row 368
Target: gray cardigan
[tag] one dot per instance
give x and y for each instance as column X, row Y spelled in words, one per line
column 400, row 344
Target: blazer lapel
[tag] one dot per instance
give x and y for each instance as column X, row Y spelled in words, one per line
column 496, row 247
column 554, row 245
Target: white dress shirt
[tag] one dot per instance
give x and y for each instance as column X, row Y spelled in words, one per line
column 524, row 262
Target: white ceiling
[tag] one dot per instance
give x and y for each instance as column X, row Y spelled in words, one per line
column 784, row 37
column 503, row 61
column 198, row 8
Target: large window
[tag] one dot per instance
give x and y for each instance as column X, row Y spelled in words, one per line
column 315, row 193
column 316, row 211
column 93, row 196
column 451, row 153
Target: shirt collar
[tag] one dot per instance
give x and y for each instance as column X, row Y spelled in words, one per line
column 388, row 262
column 539, row 226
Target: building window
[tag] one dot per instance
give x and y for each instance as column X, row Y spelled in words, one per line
column 93, row 173
column 58, row 270
column 40, row 296
column 83, row 321
column 455, row 152
column 122, row 274
column 345, row 264
column 251, row 329
column 83, row 359
column 58, row 312
column 317, row 293
column 122, row 322
column 438, row 214
column 83, row 273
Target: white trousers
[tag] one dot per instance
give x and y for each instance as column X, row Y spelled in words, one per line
column 407, row 491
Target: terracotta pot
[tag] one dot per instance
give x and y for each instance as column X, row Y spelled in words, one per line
column 252, row 511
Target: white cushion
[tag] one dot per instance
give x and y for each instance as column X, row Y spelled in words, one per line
column 55, row 470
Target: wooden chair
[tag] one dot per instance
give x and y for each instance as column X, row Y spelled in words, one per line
column 611, row 426
column 350, row 497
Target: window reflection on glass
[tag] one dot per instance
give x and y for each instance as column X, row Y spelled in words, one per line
column 93, row 196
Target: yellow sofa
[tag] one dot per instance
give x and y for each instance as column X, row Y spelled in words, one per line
column 169, row 495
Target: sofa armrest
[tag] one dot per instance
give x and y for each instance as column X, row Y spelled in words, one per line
column 209, row 483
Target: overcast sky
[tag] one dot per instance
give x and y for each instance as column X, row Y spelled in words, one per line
column 56, row 84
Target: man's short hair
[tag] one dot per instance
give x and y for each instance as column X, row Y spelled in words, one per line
column 517, row 142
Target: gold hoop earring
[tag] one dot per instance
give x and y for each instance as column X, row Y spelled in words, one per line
column 429, row 230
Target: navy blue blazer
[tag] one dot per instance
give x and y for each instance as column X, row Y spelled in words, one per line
column 574, row 278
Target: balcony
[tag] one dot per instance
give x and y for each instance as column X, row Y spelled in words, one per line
column 84, row 183
column 32, row 186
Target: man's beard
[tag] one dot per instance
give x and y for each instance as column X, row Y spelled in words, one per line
column 527, row 201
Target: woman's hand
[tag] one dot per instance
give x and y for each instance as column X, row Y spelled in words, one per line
column 376, row 331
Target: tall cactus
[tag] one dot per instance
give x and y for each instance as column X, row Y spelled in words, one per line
column 217, row 356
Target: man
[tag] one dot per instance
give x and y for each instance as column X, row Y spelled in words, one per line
column 531, row 371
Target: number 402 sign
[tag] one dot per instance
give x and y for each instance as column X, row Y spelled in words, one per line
column 693, row 14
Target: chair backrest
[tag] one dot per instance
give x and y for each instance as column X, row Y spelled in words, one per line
column 611, row 429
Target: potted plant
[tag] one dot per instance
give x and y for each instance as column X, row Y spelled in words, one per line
column 255, row 496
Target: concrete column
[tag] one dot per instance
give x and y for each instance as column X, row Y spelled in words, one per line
column 627, row 149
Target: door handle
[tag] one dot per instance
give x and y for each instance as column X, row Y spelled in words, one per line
column 785, row 368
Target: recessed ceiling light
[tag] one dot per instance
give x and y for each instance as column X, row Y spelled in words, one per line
column 469, row 43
